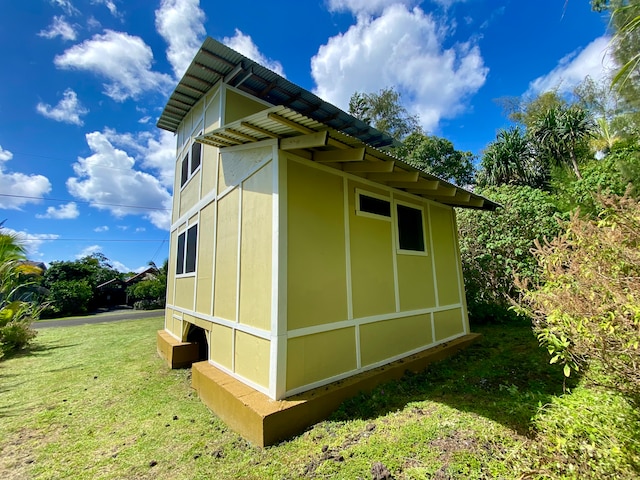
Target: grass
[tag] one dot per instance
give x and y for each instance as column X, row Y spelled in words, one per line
column 95, row 401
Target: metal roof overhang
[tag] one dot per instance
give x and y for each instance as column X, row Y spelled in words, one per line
column 313, row 140
column 215, row 62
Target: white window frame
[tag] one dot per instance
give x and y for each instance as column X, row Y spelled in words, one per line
column 366, row 193
column 394, row 213
column 189, row 156
column 185, row 254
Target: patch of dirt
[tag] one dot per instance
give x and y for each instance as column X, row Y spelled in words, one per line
column 18, row 453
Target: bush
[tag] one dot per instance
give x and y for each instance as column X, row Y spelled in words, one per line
column 494, row 246
column 149, row 294
column 69, row 297
column 586, row 306
column 15, row 326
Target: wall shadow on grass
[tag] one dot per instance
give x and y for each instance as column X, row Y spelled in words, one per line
column 504, row 376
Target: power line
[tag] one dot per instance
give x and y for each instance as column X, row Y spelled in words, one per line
column 85, row 202
column 101, row 240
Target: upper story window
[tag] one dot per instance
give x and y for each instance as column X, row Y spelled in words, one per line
column 190, row 162
column 369, row 204
column 187, row 247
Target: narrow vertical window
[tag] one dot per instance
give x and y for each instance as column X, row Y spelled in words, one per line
column 196, row 154
column 180, row 254
column 192, row 242
column 185, row 170
column 410, row 229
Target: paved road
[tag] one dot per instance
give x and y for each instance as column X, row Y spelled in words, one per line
column 115, row 316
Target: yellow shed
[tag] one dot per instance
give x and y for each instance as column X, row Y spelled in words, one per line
column 301, row 253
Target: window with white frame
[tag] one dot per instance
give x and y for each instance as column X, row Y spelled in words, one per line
column 410, row 229
column 370, row 204
column 190, row 162
column 186, row 255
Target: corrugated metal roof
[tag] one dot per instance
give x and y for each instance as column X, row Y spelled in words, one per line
column 303, row 135
column 215, row 61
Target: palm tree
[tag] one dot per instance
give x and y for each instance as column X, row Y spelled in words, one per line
column 510, row 160
column 559, row 133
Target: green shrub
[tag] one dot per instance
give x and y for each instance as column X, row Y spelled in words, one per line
column 69, row 297
column 149, row 294
column 15, row 326
column 494, row 246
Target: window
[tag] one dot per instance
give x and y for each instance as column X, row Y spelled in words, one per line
column 186, row 257
column 191, row 162
column 370, row 204
column 410, row 228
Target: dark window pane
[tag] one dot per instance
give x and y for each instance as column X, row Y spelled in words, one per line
column 185, row 170
column 192, row 241
column 375, row 206
column 180, row 262
column 410, row 233
column 196, row 153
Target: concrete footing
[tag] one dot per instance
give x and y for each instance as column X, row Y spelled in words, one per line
column 264, row 421
column 177, row 354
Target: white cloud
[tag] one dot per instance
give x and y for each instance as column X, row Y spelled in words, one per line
column 123, row 60
column 243, row 44
column 144, row 120
column 140, row 229
column 181, row 24
column 63, row 212
column 66, row 5
column 401, row 49
column 593, row 61
column 366, row 7
column 119, row 266
column 103, row 228
column 59, row 28
column 108, row 180
column 23, row 188
column 68, row 110
column 155, row 151
column 111, row 6
column 88, row 251
column 32, row 241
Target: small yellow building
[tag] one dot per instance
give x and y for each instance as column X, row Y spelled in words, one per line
column 301, row 253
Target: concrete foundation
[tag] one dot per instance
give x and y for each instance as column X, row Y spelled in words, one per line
column 265, row 422
column 177, row 354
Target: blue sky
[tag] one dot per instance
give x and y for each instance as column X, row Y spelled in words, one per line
column 83, row 169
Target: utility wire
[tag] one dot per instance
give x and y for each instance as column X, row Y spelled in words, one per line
column 85, row 202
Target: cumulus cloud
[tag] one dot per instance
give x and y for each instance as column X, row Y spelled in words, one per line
column 181, row 24
column 103, row 228
column 404, row 49
column 123, row 60
column 59, row 28
column 23, row 188
column 88, row 251
column 68, row 110
column 63, row 212
column 108, row 180
column 243, row 44
column 593, row 61
column 155, row 151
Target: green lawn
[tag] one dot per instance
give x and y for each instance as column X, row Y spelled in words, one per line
column 95, row 401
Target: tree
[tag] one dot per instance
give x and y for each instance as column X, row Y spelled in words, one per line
column 16, row 312
column 561, row 133
column 496, row 245
column 438, row 156
column 384, row 111
column 510, row 160
column 151, row 293
column 526, row 111
column 69, row 283
column 586, row 306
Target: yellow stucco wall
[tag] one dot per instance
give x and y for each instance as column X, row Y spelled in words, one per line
column 212, row 113
column 256, row 252
column 204, row 257
column 208, row 168
column 221, row 345
column 252, row 358
column 171, row 271
column 172, row 324
column 190, row 194
column 371, row 260
column 386, row 339
column 184, row 292
column 315, row 357
column 316, row 268
column 238, row 106
column 448, row 323
column 445, row 252
column 226, row 263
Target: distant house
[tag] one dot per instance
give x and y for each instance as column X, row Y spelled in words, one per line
column 301, row 253
column 114, row 292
